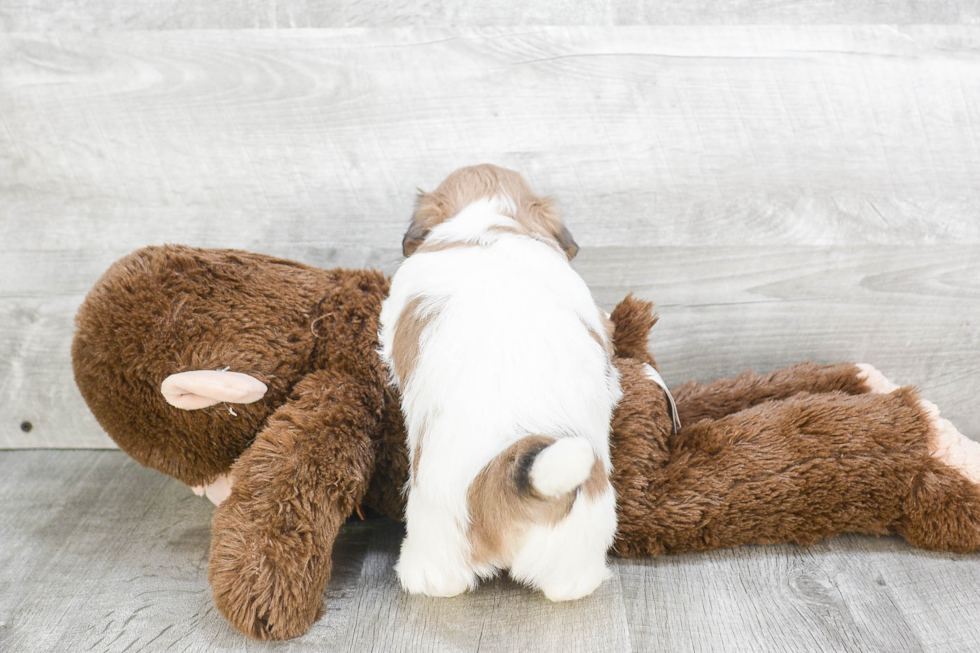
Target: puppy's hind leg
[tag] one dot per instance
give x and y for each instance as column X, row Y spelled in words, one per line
column 567, row 560
column 435, row 555
column 533, row 483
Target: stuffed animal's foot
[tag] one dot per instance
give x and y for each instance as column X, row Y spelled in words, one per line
column 950, row 446
column 874, row 380
column 942, row 510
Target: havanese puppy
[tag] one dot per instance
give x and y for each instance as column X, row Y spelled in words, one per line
column 504, row 365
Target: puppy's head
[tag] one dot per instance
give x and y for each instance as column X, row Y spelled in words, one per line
column 536, row 214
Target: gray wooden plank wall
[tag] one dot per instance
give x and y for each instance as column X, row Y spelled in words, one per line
column 782, row 192
column 64, row 15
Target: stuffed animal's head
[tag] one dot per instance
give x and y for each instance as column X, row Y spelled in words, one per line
column 225, row 333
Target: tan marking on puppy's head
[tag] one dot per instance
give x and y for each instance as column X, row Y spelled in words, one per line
column 503, row 502
column 538, row 215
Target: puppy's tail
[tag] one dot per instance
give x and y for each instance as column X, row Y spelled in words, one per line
column 535, row 477
column 558, row 468
column 534, row 481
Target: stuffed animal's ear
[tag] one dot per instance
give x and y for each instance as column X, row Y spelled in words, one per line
column 203, row 388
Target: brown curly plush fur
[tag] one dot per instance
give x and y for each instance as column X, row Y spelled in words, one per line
column 793, row 456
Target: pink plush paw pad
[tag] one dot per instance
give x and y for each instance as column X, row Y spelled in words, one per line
column 950, row 446
column 874, row 380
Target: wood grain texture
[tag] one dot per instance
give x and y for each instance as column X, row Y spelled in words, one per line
column 781, row 192
column 97, row 553
column 911, row 311
column 647, row 136
column 851, row 593
column 70, row 15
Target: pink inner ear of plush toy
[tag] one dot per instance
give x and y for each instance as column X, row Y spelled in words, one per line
column 202, row 388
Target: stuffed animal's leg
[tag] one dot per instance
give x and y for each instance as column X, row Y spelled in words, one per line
column 714, row 400
column 291, row 491
column 633, row 318
column 803, row 469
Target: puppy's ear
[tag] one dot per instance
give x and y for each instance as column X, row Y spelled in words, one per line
column 428, row 210
column 566, row 242
column 543, row 217
column 413, row 238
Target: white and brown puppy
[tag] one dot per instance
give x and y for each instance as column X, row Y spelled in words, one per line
column 503, row 361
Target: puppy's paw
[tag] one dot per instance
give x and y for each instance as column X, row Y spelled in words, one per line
column 574, row 585
column 874, row 380
column 950, row 446
column 421, row 573
column 562, row 466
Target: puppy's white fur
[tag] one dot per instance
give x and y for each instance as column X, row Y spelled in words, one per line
column 510, row 350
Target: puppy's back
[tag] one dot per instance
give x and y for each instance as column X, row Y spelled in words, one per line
column 510, row 343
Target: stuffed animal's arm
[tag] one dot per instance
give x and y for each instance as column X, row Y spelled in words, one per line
column 632, row 320
column 714, row 400
column 291, row 491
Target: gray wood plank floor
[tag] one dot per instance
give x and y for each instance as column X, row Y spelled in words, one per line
column 99, row 554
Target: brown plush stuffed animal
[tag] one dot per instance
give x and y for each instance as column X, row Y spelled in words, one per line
column 797, row 455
